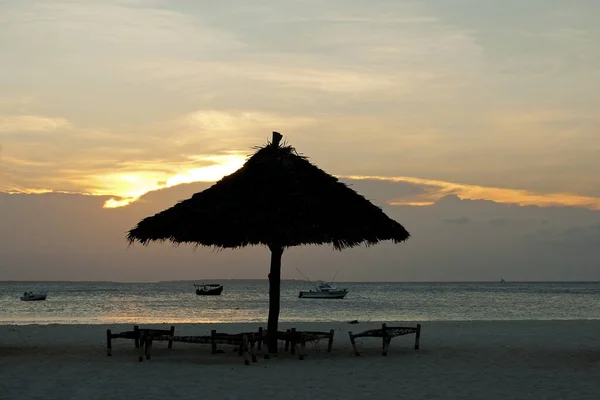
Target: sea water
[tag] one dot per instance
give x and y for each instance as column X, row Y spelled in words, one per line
column 248, row 301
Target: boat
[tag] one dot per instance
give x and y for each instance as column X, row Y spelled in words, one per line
column 209, row 289
column 31, row 296
column 502, row 280
column 323, row 290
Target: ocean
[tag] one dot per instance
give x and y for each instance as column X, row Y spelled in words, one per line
column 247, row 301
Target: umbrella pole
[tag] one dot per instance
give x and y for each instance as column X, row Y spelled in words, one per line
column 274, row 297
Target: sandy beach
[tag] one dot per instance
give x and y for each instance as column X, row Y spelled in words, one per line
column 457, row 360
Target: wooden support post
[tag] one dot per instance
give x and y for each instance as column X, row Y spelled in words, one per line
column 244, row 345
column 386, row 346
column 148, row 346
column 108, row 343
column 293, row 341
column 136, row 336
column 418, row 337
column 353, row 343
column 213, row 341
column 142, row 350
column 171, row 334
column 302, row 347
column 330, row 344
column 287, row 341
column 384, row 337
column 260, row 338
column 252, row 353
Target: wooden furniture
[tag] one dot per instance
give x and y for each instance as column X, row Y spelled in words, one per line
column 137, row 334
column 292, row 338
column 246, row 342
column 387, row 333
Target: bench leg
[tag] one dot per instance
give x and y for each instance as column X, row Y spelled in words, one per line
column 302, row 348
column 171, row 334
column 387, row 340
column 353, row 343
column 330, row 344
column 418, row 337
column 108, row 343
column 260, row 338
column 142, row 349
column 136, row 335
column 252, row 353
column 213, row 342
column 287, row 342
column 148, row 347
column 244, row 345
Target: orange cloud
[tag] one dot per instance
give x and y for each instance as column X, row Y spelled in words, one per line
column 31, row 123
column 127, row 187
column 435, row 190
column 131, row 186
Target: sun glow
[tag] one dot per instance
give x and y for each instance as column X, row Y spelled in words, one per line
column 435, row 190
column 129, row 187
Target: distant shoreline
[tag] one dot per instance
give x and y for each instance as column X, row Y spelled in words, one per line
column 288, row 280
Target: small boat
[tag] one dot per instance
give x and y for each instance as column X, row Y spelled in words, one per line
column 502, row 280
column 30, row 296
column 323, row 290
column 212, row 289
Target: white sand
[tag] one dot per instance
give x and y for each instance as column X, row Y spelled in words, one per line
column 457, row 360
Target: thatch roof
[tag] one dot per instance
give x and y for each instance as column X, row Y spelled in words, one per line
column 278, row 198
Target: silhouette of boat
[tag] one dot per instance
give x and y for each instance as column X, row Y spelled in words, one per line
column 31, row 296
column 324, row 290
column 212, row 289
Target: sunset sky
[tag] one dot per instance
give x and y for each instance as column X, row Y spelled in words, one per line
column 492, row 100
column 122, row 96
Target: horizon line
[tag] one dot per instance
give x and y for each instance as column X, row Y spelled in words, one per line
column 291, row 279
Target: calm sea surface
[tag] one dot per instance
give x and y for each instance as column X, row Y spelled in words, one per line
column 247, row 301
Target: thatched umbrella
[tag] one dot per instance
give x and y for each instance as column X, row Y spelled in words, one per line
column 277, row 199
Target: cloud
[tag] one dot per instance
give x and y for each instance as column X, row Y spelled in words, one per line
column 220, row 122
column 458, row 220
column 435, row 190
column 498, row 221
column 31, row 123
column 96, row 248
column 582, row 234
column 145, row 85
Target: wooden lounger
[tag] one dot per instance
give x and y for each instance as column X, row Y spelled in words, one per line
column 136, row 335
column 292, row 338
column 387, row 333
column 245, row 341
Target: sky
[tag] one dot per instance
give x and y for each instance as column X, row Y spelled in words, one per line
column 436, row 109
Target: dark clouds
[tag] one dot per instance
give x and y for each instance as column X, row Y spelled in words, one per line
column 62, row 237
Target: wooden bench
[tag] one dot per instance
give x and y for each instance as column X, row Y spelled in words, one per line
column 137, row 335
column 246, row 342
column 387, row 333
column 292, row 338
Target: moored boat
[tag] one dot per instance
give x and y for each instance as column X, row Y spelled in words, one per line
column 31, row 296
column 324, row 290
column 212, row 289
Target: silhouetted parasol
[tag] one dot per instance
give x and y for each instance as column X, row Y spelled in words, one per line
column 277, row 199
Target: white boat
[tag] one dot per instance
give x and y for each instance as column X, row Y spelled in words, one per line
column 31, row 296
column 324, row 290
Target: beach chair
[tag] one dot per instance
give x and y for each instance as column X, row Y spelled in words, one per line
column 138, row 335
column 387, row 333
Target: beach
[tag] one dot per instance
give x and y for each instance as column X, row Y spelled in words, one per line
column 456, row 360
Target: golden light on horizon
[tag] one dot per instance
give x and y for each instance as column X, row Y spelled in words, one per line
column 435, row 190
column 125, row 188
column 129, row 187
